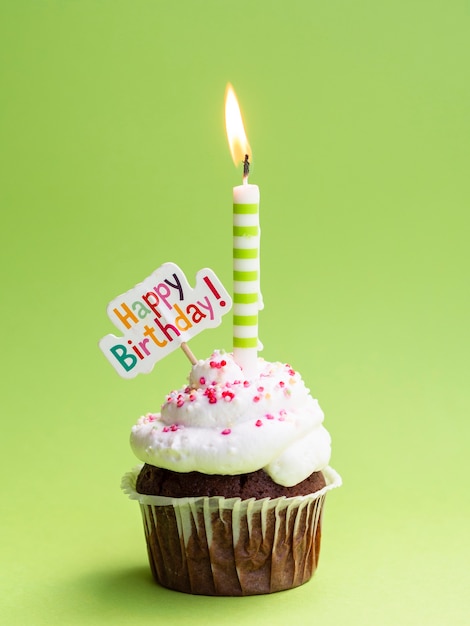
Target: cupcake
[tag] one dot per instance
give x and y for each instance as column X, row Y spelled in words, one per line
column 233, row 480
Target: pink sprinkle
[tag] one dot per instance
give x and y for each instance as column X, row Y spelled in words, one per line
column 246, row 383
column 216, row 365
column 180, row 402
column 227, row 431
column 211, row 395
column 281, row 419
column 192, row 397
column 202, row 380
column 151, row 418
column 282, row 383
column 282, row 412
column 228, row 396
column 292, row 372
column 256, row 399
column 258, row 423
column 269, row 416
column 187, row 390
column 173, row 428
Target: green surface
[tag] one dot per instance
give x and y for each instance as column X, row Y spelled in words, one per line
column 114, row 160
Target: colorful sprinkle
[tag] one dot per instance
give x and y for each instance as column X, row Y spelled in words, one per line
column 210, row 394
column 227, row 431
column 173, row 428
column 216, row 365
column 258, row 423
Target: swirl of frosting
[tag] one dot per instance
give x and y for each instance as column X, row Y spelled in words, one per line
column 222, row 423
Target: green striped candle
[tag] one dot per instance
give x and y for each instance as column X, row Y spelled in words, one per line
column 246, row 276
column 246, row 291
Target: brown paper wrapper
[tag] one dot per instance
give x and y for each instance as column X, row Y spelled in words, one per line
column 232, row 547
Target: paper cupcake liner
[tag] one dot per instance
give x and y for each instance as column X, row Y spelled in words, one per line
column 229, row 546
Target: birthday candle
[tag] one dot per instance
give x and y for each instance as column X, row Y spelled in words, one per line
column 246, row 237
column 246, row 275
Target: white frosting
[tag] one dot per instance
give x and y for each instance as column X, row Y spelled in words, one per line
column 222, row 423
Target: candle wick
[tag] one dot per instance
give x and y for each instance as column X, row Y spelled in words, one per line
column 246, row 169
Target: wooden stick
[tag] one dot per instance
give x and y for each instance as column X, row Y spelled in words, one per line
column 184, row 346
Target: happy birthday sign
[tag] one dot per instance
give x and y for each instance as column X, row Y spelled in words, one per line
column 159, row 314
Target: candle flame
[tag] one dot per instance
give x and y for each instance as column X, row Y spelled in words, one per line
column 239, row 146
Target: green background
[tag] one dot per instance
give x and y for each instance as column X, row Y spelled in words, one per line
column 113, row 160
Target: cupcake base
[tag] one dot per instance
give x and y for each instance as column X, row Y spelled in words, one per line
column 232, row 547
column 157, row 481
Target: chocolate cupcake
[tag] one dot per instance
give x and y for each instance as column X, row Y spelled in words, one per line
column 233, row 483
